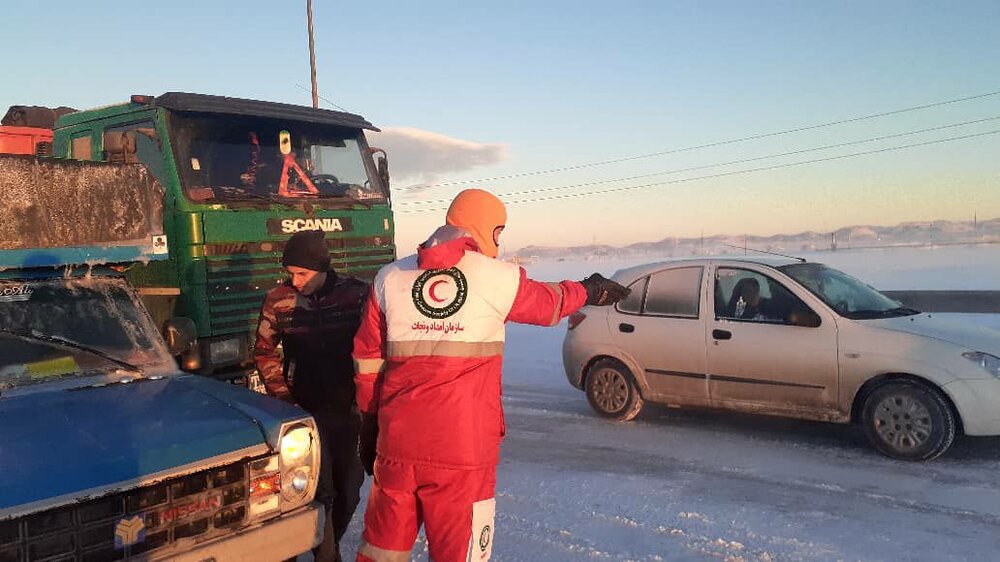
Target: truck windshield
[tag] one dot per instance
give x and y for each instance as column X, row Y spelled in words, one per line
column 225, row 157
column 846, row 295
column 97, row 316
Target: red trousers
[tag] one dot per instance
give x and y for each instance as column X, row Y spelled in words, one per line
column 455, row 507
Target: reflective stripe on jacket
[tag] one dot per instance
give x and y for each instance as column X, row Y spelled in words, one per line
column 429, row 351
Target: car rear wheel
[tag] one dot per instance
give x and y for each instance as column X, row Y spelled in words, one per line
column 612, row 391
column 909, row 421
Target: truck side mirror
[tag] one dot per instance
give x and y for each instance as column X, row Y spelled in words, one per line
column 381, row 166
column 180, row 333
column 383, row 171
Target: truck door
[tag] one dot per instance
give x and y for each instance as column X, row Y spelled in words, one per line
column 767, row 348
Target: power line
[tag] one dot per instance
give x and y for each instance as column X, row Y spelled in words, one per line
column 708, row 145
column 708, row 166
column 327, row 100
column 724, row 174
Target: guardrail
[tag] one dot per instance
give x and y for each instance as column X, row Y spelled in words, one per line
column 980, row 302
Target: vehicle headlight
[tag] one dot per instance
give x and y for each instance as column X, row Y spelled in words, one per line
column 990, row 363
column 295, row 445
column 225, row 351
column 297, row 483
column 299, row 455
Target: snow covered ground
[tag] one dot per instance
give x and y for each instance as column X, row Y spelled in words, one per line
column 685, row 485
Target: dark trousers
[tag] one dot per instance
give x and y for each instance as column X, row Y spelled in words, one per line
column 340, row 478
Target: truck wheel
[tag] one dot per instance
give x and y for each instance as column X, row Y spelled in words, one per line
column 909, row 421
column 612, row 391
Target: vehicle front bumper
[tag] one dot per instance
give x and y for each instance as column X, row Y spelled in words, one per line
column 278, row 539
column 978, row 403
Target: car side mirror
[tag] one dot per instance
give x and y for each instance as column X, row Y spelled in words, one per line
column 804, row 319
column 180, row 333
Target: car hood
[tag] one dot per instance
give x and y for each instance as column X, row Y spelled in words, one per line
column 69, row 444
column 970, row 336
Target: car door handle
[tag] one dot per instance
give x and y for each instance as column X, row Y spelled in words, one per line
column 722, row 334
column 627, row 328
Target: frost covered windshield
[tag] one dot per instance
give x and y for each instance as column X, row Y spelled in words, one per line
column 238, row 158
column 61, row 328
column 845, row 294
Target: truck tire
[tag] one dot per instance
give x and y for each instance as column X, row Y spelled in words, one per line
column 612, row 390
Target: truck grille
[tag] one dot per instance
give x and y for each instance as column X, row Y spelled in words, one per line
column 240, row 274
column 199, row 506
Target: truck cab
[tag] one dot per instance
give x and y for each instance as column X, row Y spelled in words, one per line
column 109, row 451
column 240, row 176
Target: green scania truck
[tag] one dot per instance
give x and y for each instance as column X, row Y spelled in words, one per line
column 240, row 176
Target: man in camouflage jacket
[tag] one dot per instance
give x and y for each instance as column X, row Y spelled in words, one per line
column 314, row 316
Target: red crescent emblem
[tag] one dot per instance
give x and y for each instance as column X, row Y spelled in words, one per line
column 430, row 291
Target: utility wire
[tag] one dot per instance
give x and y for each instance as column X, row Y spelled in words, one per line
column 724, row 174
column 706, row 166
column 327, row 100
column 708, row 145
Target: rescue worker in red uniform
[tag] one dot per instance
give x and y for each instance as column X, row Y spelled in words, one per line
column 314, row 315
column 428, row 358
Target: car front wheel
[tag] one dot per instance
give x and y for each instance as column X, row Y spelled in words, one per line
column 909, row 421
column 612, row 391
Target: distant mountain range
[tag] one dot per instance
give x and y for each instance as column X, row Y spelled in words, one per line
column 903, row 234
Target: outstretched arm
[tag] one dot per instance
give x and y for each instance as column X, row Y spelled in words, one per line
column 545, row 304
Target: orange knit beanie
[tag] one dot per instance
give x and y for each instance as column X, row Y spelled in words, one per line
column 479, row 213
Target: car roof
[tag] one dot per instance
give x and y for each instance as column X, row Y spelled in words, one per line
column 638, row 271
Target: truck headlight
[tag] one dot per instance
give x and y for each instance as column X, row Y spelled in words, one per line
column 296, row 444
column 296, row 483
column 990, row 363
column 225, row 351
column 299, row 455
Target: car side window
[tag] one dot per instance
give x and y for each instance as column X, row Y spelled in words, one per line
column 633, row 302
column 747, row 296
column 674, row 292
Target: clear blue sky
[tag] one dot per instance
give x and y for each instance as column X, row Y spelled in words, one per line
column 564, row 83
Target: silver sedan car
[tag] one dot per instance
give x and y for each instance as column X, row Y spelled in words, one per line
column 788, row 338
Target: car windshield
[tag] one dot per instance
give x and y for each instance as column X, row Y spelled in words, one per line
column 67, row 328
column 245, row 158
column 846, row 295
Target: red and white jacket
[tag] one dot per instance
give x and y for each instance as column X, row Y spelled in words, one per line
column 429, row 351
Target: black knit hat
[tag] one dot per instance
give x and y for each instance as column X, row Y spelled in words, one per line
column 307, row 249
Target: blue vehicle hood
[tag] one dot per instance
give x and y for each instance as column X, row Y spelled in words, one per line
column 70, row 444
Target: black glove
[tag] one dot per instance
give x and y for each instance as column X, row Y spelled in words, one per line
column 602, row 291
column 368, row 437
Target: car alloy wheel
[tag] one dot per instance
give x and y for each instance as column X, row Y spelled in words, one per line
column 908, row 420
column 611, row 390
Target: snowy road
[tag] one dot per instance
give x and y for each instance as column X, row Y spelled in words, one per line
column 685, row 485
column 680, row 485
